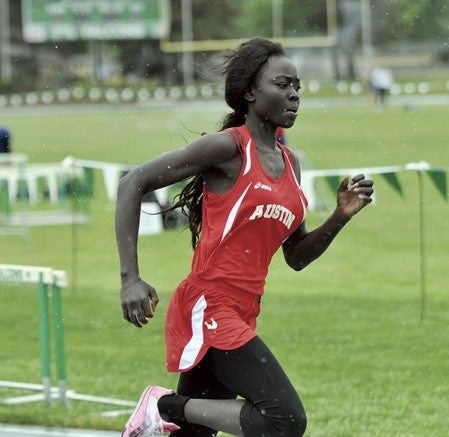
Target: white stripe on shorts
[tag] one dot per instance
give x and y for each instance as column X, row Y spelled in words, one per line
column 193, row 347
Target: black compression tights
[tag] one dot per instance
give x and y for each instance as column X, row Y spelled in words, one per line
column 272, row 406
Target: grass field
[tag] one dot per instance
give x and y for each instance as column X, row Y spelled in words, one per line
column 347, row 329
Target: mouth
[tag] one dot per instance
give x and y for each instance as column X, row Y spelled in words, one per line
column 292, row 110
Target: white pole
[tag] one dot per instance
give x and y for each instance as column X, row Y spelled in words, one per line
column 422, row 243
column 5, row 42
column 277, row 18
column 367, row 41
column 187, row 36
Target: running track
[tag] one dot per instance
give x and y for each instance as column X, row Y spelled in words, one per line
column 34, row 431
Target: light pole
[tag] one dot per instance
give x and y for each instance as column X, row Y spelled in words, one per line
column 5, row 42
column 187, row 36
column 367, row 41
column 277, row 18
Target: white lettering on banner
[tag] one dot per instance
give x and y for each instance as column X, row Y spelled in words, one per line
column 275, row 212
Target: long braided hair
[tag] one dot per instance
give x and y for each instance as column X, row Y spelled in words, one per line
column 241, row 68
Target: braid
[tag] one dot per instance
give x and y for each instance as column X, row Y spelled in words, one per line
column 190, row 201
column 233, row 119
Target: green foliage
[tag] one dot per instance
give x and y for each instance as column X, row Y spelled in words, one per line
column 347, row 329
column 403, row 19
column 5, row 87
column 304, row 18
column 206, row 16
column 410, row 20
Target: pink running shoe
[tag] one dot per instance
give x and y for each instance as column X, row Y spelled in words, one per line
column 146, row 420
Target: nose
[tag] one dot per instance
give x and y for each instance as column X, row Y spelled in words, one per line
column 293, row 95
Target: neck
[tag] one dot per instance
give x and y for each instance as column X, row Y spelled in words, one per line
column 264, row 133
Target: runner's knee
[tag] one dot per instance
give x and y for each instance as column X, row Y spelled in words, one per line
column 269, row 419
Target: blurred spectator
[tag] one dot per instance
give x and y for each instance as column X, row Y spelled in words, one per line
column 5, row 138
column 281, row 136
column 379, row 85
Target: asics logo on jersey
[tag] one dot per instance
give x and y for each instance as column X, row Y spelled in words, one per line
column 212, row 325
column 260, row 185
column 275, row 212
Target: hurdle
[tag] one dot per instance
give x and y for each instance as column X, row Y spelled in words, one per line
column 49, row 283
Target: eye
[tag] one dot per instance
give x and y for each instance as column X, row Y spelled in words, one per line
column 284, row 84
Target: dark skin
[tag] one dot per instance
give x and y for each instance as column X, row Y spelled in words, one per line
column 273, row 101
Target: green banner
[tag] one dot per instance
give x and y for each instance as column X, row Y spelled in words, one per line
column 62, row 20
column 333, row 182
column 393, row 181
column 438, row 177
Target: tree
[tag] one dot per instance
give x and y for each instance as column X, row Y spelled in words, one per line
column 211, row 20
column 405, row 20
column 299, row 18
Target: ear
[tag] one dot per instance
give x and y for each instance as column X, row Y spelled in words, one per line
column 249, row 96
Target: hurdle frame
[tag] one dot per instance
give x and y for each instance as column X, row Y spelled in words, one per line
column 49, row 283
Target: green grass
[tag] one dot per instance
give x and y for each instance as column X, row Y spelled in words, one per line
column 347, row 329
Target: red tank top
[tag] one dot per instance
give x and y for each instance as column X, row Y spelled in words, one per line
column 242, row 229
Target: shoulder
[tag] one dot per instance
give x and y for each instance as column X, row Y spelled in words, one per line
column 294, row 161
column 224, row 138
column 209, row 150
column 224, row 162
column 222, row 145
column 291, row 155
